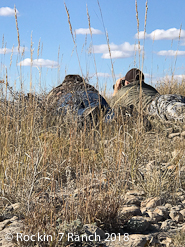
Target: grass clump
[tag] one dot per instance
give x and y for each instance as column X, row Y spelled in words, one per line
column 65, row 176
column 60, row 173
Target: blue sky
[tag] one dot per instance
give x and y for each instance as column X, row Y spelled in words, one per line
column 46, row 22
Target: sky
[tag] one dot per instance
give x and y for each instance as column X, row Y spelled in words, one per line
column 44, row 48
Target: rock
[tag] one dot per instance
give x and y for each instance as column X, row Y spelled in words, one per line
column 152, row 202
column 13, row 206
column 8, row 230
column 176, row 216
column 175, row 153
column 161, row 210
column 143, row 210
column 183, row 202
column 177, row 208
column 183, row 134
column 167, row 224
column 181, row 197
column 132, row 200
column 171, row 167
column 150, row 166
column 154, row 227
column 1, row 203
column 154, row 217
column 143, row 203
column 166, row 242
column 168, row 206
column 137, row 224
column 183, row 228
column 4, row 223
column 138, row 240
column 9, row 211
column 135, row 193
column 91, row 229
column 178, row 193
column 172, row 135
column 133, row 240
column 128, row 212
column 2, row 218
column 182, row 170
column 183, row 212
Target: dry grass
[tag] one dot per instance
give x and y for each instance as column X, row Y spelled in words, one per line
column 61, row 173
column 170, row 85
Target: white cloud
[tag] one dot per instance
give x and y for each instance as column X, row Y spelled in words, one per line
column 5, row 50
column 14, row 50
column 179, row 77
column 106, row 75
column 171, row 53
column 117, row 54
column 85, row 31
column 39, row 63
column 6, row 11
column 100, row 74
column 147, row 75
column 183, row 43
column 169, row 78
column 160, row 34
column 117, row 51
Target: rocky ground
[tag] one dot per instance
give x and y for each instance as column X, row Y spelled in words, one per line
column 151, row 222
column 147, row 221
column 9, row 225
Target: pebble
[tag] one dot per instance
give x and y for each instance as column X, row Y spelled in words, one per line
column 176, row 216
column 129, row 212
column 151, row 202
column 172, row 135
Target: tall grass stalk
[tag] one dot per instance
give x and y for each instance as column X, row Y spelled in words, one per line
column 65, row 176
